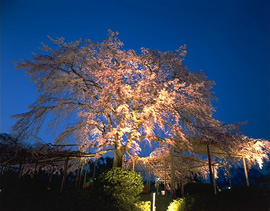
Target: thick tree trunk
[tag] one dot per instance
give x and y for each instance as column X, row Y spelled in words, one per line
column 119, row 152
column 118, row 157
column 133, row 163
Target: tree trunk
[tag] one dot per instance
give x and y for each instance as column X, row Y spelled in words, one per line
column 118, row 157
column 133, row 163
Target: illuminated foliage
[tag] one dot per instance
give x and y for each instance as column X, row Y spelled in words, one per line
column 121, row 188
column 254, row 150
column 176, row 205
column 143, row 205
column 111, row 99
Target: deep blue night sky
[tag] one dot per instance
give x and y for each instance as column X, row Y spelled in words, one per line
column 229, row 40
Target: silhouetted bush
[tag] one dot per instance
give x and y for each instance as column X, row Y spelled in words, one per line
column 196, row 188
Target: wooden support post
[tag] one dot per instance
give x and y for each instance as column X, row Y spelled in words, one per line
column 229, row 172
column 172, row 174
column 36, row 166
column 157, row 185
column 182, row 188
column 214, row 181
column 182, row 173
column 94, row 172
column 147, row 178
column 50, row 178
column 64, row 175
column 20, row 170
column 246, row 172
column 19, row 176
column 209, row 164
column 85, row 174
column 153, row 202
column 149, row 173
column 165, row 178
column 78, row 175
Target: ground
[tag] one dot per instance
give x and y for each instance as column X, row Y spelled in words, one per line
column 72, row 200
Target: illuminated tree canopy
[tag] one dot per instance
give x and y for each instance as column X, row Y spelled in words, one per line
column 188, row 165
column 111, row 99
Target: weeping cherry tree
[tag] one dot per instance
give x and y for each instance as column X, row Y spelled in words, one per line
column 115, row 98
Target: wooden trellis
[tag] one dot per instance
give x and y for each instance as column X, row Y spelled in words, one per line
column 47, row 154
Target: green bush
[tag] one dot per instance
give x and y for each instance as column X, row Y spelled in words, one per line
column 120, row 188
column 176, row 205
column 143, row 205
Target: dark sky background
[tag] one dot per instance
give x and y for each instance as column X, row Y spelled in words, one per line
column 229, row 40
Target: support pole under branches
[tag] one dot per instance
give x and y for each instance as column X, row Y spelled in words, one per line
column 246, row 172
column 209, row 164
column 85, row 174
column 165, row 177
column 214, row 181
column 64, row 175
column 172, row 174
column 78, row 174
column 229, row 173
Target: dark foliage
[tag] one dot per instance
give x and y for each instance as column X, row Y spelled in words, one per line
column 198, row 188
column 233, row 200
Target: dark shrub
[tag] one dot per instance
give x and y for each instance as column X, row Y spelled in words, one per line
column 236, row 199
column 196, row 188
